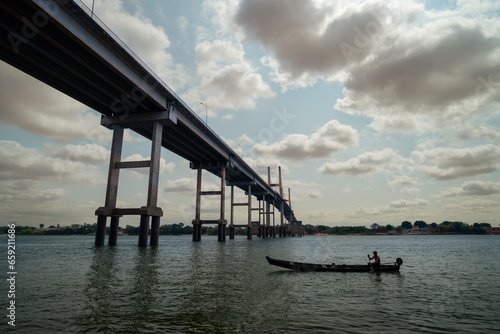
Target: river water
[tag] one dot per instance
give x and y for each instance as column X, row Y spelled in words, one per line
column 447, row 284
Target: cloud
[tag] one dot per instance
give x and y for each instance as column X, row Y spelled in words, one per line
column 330, row 138
column 15, row 191
column 188, row 185
column 411, row 190
column 401, row 203
column 183, row 185
column 37, row 108
column 21, row 163
column 456, row 163
column 228, row 81
column 147, row 40
column 260, row 165
column 407, row 68
column 365, row 164
column 89, row 153
column 473, row 188
column 403, row 180
column 315, row 194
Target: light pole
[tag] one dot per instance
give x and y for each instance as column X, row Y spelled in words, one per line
column 206, row 112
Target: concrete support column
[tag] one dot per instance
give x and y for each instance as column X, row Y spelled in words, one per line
column 154, row 170
column 113, row 231
column 221, row 232
column 112, row 185
column 196, row 222
column 100, row 233
column 222, row 225
column 155, row 231
column 143, row 231
column 196, row 232
column 282, row 206
column 231, row 224
column 249, row 222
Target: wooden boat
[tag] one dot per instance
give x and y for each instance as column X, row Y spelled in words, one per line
column 300, row 266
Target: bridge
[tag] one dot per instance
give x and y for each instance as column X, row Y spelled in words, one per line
column 61, row 43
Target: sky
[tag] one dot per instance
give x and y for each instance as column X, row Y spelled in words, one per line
column 376, row 111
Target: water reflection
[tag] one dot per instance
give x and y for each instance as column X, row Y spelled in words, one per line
column 111, row 293
column 100, row 289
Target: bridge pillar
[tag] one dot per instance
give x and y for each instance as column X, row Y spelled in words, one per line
column 143, row 231
column 113, row 231
column 196, row 232
column 197, row 218
column 231, row 225
column 249, row 222
column 155, row 231
column 100, row 233
column 117, row 124
column 221, row 222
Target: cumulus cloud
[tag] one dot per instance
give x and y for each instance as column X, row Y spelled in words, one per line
column 330, row 138
column 365, row 164
column 402, row 203
column 456, row 163
column 147, row 40
column 401, row 64
column 183, row 185
column 403, row 180
column 37, row 108
column 89, row 153
column 22, row 163
column 260, row 165
column 315, row 194
column 473, row 188
column 228, row 81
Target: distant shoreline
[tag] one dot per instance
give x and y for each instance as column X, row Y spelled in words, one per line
column 309, row 235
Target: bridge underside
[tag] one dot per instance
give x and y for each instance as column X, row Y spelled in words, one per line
column 60, row 44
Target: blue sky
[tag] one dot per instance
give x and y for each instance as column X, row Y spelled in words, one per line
column 377, row 111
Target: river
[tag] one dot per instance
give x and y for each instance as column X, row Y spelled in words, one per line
column 447, row 284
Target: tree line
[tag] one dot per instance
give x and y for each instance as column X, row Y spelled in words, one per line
column 444, row 227
column 180, row 228
column 85, row 229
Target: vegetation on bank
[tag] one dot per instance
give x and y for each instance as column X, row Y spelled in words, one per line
column 85, row 229
column 446, row 227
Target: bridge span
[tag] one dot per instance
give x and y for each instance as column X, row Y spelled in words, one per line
column 61, row 43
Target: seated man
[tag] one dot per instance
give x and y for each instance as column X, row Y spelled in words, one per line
column 376, row 258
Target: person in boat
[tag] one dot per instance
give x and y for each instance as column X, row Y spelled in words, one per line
column 375, row 257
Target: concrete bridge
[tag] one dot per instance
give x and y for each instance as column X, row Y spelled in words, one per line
column 62, row 44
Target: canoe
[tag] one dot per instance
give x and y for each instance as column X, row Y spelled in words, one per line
column 300, row 266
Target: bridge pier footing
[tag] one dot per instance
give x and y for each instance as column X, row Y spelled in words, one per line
column 221, row 231
column 100, row 233
column 143, row 231
column 196, row 232
column 113, row 231
column 155, row 231
column 231, row 232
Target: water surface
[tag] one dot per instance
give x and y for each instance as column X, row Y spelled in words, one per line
column 447, row 284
